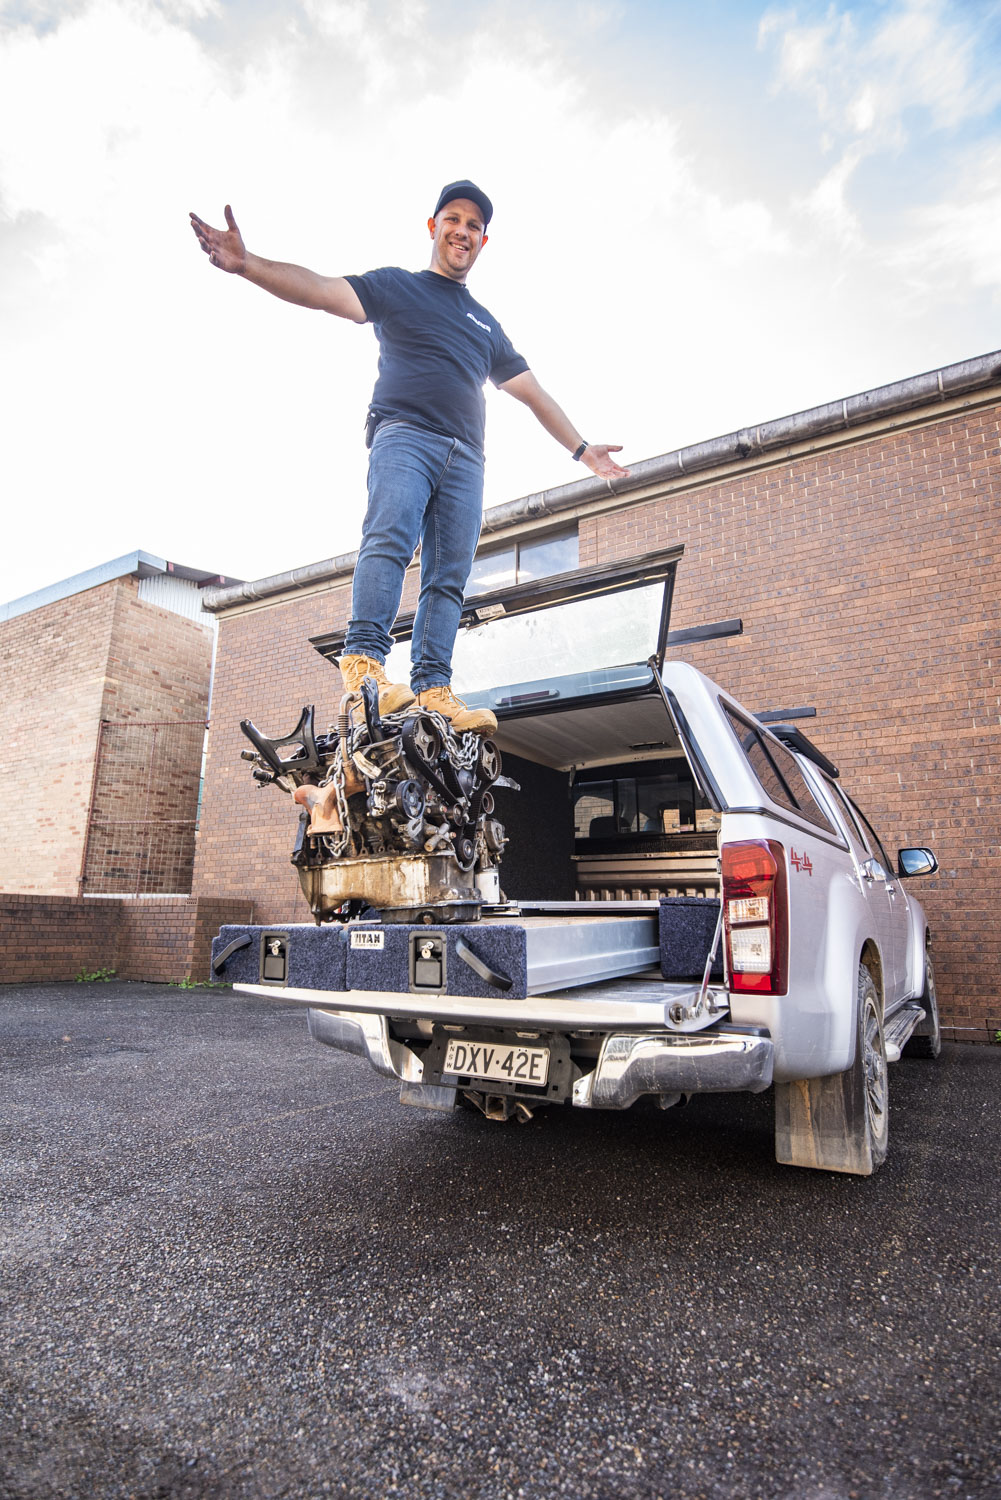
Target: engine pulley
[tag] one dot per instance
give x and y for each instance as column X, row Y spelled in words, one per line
column 410, row 799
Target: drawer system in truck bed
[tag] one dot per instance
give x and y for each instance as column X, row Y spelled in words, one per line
column 516, row 955
column 551, row 946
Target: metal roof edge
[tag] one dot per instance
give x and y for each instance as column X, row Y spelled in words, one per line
column 137, row 564
column 143, row 563
column 929, row 388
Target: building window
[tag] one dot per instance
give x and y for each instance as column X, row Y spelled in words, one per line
column 522, row 560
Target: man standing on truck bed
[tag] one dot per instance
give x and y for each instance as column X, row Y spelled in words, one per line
column 437, row 348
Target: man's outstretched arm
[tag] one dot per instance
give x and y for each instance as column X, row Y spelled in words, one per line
column 225, row 249
column 597, row 456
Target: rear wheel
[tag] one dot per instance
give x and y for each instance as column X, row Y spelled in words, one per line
column 840, row 1123
column 873, row 1048
column 926, row 1040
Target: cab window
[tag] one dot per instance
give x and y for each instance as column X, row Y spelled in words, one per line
column 649, row 804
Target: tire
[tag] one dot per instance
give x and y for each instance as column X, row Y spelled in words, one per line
column 926, row 1041
column 840, row 1123
column 871, row 1046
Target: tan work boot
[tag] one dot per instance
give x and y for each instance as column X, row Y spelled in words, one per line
column 443, row 701
column 392, row 695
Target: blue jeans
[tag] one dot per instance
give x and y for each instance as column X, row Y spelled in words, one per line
column 427, row 488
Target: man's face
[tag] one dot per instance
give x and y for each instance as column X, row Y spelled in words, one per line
column 457, row 236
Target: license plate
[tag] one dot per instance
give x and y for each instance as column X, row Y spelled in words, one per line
column 497, row 1060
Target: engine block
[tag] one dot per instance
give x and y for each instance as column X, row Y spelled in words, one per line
column 395, row 812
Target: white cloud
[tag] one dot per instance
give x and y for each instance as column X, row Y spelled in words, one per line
column 953, row 244
column 828, row 206
column 810, row 55
column 866, row 68
column 151, row 401
column 885, row 81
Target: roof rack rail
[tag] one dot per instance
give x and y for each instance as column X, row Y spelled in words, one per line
column 790, row 735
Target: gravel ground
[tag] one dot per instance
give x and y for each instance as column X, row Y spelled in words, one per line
column 233, row 1266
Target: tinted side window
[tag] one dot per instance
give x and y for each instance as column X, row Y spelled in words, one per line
column 854, row 827
column 776, row 769
column 794, row 779
column 875, row 842
column 761, row 765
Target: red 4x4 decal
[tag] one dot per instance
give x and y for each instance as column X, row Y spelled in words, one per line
column 800, row 862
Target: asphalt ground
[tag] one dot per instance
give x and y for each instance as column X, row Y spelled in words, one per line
column 232, row 1265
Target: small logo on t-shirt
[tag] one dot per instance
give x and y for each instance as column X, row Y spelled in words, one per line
column 485, row 326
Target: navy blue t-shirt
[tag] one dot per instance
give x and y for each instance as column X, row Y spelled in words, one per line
column 437, row 348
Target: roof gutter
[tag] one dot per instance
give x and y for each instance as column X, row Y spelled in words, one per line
column 929, row 389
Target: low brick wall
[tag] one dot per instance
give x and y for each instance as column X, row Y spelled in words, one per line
column 49, row 938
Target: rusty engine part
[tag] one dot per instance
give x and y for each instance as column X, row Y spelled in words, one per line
column 396, row 812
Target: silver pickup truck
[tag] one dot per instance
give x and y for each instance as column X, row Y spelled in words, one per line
column 691, row 901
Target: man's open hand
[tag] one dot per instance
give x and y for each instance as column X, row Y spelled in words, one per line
column 598, row 459
column 224, row 247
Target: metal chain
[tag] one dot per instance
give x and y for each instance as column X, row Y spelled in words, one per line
column 463, row 751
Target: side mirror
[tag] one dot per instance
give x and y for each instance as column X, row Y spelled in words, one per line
column 916, row 862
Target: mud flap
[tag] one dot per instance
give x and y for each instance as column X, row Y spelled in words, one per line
column 839, row 1123
column 820, row 1122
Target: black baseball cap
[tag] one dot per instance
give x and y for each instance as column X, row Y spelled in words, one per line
column 453, row 190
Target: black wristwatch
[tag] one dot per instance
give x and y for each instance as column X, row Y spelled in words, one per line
column 579, row 454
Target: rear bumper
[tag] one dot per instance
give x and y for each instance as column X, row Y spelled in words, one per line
column 368, row 1036
column 709, row 1063
column 629, row 1065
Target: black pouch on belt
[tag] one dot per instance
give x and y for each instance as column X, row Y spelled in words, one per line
column 371, row 423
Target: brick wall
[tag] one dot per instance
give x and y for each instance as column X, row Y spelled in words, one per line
column 100, row 654
column 52, row 938
column 866, row 576
column 158, row 661
column 270, row 671
column 52, row 664
column 55, row 937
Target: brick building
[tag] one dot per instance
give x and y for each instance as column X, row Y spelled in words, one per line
column 106, row 680
column 859, row 543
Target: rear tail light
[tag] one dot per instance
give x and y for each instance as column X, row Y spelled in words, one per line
column 756, row 916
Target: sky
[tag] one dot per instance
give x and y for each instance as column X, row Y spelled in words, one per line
column 706, row 216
